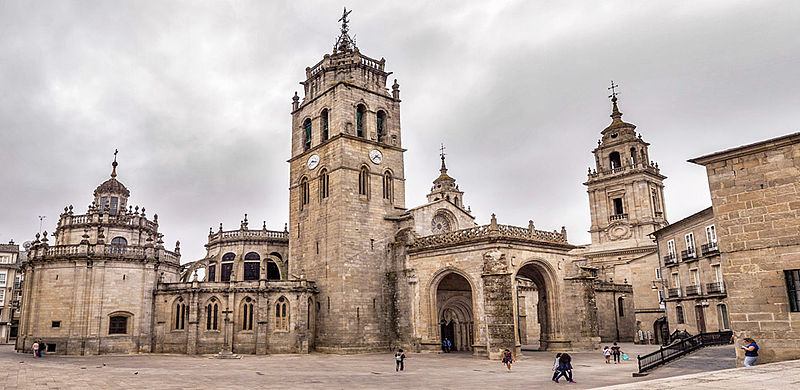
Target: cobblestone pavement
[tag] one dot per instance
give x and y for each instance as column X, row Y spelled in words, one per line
column 369, row 371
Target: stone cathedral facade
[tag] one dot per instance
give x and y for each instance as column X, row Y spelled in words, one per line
column 354, row 270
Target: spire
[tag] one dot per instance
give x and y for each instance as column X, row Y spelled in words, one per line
column 344, row 42
column 443, row 169
column 114, row 164
column 615, row 114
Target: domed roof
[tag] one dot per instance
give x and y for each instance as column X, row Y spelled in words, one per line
column 112, row 185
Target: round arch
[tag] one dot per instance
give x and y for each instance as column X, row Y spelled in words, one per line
column 543, row 276
column 452, row 307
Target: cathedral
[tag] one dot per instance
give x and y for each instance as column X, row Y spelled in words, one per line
column 355, row 269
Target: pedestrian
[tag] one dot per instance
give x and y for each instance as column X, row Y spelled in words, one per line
column 399, row 357
column 446, row 345
column 42, row 346
column 607, row 354
column 750, row 352
column 35, row 349
column 508, row 358
column 565, row 367
column 616, row 350
column 556, row 371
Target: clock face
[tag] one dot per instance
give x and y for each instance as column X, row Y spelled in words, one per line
column 440, row 224
column 313, row 161
column 375, row 156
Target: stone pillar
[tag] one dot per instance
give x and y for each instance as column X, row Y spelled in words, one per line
column 194, row 320
column 498, row 305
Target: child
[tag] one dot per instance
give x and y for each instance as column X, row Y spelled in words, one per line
column 398, row 358
column 607, row 354
column 508, row 358
column 556, row 371
column 35, row 348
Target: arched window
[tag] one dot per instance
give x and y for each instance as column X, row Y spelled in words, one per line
column 179, row 314
column 679, row 315
column 360, row 111
column 273, row 273
column 118, row 323
column 303, row 192
column 615, row 160
column 282, row 314
column 307, row 134
column 324, row 124
column 634, row 157
column 309, row 313
column 212, row 315
column 118, row 245
column 363, row 182
column 381, row 122
column 387, row 185
column 252, row 266
column 226, row 269
column 247, row 314
column 323, row 183
column 620, row 305
column 230, row 256
column 277, row 256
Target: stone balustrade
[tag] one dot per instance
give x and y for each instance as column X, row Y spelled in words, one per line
column 248, row 234
column 486, row 231
column 57, row 252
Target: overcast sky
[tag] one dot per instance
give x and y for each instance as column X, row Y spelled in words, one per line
column 196, row 97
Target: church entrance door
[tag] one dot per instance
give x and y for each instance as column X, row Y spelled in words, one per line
column 454, row 309
column 533, row 286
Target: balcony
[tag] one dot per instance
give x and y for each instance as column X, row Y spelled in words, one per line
column 693, row 290
column 618, row 217
column 709, row 248
column 689, row 254
column 674, row 292
column 715, row 288
column 670, row 259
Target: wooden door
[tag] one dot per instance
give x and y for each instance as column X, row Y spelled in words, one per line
column 701, row 319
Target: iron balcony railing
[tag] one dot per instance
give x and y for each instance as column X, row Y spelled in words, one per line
column 688, row 254
column 709, row 248
column 693, row 290
column 674, row 292
column 715, row 288
column 681, row 348
column 670, row 259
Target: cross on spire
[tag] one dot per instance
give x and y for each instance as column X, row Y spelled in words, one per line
column 344, row 42
column 615, row 114
column 441, row 151
column 114, row 164
column 613, row 89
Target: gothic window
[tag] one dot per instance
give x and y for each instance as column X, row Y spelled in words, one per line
column 282, row 314
column 323, row 183
column 615, row 160
column 618, row 209
column 363, row 182
column 212, row 315
column 247, row 314
column 381, row 122
column 273, row 273
column 225, row 272
column 179, row 314
column 118, row 245
column 307, row 134
column 387, row 185
column 118, row 324
column 440, row 224
column 212, row 273
column 252, row 266
column 360, row 111
column 304, row 198
column 325, row 124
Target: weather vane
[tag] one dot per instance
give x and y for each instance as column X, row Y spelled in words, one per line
column 613, row 89
column 441, row 151
column 344, row 42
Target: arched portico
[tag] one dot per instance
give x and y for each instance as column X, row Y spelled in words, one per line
column 538, row 275
column 452, row 296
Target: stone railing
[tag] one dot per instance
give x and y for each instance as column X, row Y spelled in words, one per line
column 486, row 231
column 101, row 251
column 372, row 63
column 246, row 233
column 652, row 167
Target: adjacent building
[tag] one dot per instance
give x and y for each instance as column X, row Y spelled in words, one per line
column 691, row 279
column 10, row 291
column 755, row 195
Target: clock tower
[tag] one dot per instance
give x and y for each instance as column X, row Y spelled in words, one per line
column 346, row 178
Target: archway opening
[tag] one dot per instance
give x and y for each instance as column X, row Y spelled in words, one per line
column 534, row 316
column 455, row 315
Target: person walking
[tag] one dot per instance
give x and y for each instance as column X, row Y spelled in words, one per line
column 616, row 350
column 607, row 354
column 556, row 371
column 399, row 357
column 750, row 352
column 35, row 349
column 565, row 367
column 508, row 358
column 42, row 346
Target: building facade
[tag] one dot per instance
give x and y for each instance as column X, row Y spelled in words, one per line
column 756, row 201
column 692, row 284
column 10, row 291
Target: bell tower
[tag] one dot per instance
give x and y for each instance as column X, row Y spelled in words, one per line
column 346, row 178
column 626, row 190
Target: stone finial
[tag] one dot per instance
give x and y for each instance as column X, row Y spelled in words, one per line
column 85, row 236
column 493, row 223
column 37, row 238
column 530, row 226
column 244, row 223
column 65, row 209
column 285, row 227
column 564, row 232
column 137, row 210
column 177, row 247
column 210, row 230
column 142, row 211
column 295, row 101
column 155, row 218
column 396, row 90
column 70, row 209
column 44, row 237
column 265, row 225
column 220, row 226
column 130, row 209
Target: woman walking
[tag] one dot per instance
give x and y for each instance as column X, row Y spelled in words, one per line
column 616, row 350
column 556, row 371
column 508, row 358
column 565, row 367
column 750, row 352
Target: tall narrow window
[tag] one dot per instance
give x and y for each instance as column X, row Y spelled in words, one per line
column 634, row 157
column 620, row 305
column 323, row 183
column 793, row 288
column 247, row 314
column 212, row 273
column 656, row 201
column 180, row 314
column 212, row 315
column 711, row 234
column 381, row 122
column 113, row 208
column 252, row 266
column 679, row 314
column 282, row 314
column 722, row 312
column 363, row 182
column 309, row 313
column 303, row 192
column 225, row 272
column 307, row 134
column 671, row 247
column 689, row 242
column 387, row 185
column 273, row 273
column 360, row 111
column 615, row 160
column 324, row 124
column 618, row 209
column 103, row 208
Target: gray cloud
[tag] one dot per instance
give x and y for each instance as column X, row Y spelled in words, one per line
column 196, row 96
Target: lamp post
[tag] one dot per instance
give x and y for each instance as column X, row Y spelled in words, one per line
column 616, row 313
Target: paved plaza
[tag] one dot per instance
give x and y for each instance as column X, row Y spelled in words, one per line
column 368, row 371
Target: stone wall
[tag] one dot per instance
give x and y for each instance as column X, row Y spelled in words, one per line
column 607, row 297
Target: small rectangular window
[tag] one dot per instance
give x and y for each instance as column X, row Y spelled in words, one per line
column 118, row 325
column 56, row 324
column 793, row 288
column 658, row 273
column 618, row 206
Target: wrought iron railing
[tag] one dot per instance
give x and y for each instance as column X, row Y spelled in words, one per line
column 681, row 348
column 709, row 248
column 670, row 259
column 715, row 288
column 688, row 254
column 693, row 290
column 673, row 292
